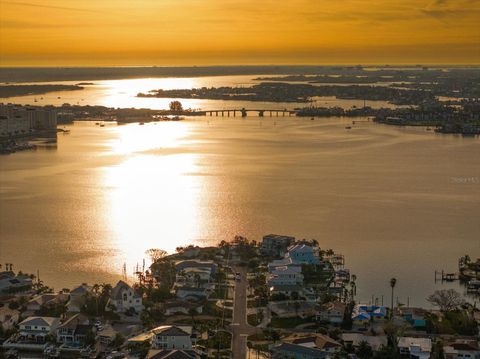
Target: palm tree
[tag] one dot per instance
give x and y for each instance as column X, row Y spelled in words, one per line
column 393, row 282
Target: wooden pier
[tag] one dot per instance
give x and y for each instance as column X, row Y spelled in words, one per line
column 244, row 112
column 442, row 276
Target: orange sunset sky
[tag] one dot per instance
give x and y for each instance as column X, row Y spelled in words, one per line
column 216, row 32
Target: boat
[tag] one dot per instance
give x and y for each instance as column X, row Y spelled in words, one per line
column 348, row 127
column 141, row 123
column 102, row 125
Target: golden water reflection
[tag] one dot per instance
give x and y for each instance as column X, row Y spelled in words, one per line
column 151, row 196
column 135, row 138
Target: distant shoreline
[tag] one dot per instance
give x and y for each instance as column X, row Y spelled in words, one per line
column 42, row 74
column 7, row 91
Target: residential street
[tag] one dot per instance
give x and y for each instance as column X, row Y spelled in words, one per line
column 240, row 327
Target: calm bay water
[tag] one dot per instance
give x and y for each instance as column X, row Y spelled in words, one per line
column 397, row 202
column 122, row 93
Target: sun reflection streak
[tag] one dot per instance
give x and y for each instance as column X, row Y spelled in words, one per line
column 152, row 198
column 134, row 138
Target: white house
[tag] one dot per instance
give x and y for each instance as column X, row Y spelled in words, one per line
column 285, row 276
column 171, row 337
column 124, row 298
column 35, row 329
column 416, row 348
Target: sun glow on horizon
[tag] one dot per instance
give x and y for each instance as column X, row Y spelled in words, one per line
column 215, row 32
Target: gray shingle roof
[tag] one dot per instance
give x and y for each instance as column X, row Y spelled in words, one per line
column 170, row 330
column 299, row 349
column 171, row 354
column 39, row 321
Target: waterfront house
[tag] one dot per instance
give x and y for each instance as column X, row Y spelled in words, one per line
column 285, row 276
column 124, row 298
column 275, row 245
column 171, row 337
column 35, row 329
column 332, row 313
column 295, row 351
column 303, row 254
column 414, row 316
column 75, row 330
column 416, row 348
column 362, row 314
column 360, row 319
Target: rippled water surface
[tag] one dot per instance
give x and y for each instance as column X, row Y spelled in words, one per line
column 397, row 202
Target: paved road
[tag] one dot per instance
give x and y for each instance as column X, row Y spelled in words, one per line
column 240, row 327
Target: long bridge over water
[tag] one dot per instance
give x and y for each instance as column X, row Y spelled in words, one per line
column 244, row 112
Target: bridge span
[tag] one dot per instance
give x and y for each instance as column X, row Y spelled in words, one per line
column 244, row 112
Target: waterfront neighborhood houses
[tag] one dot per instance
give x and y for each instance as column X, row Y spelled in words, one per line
column 280, row 297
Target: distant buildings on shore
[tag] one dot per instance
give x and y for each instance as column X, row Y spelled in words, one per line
column 22, row 121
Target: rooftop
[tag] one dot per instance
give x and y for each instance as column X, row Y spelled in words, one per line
column 170, row 330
